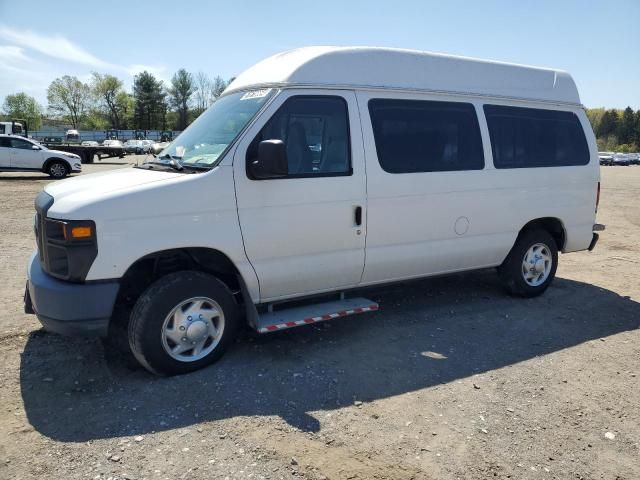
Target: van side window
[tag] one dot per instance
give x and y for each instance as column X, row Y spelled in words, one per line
column 315, row 131
column 531, row 137
column 424, row 136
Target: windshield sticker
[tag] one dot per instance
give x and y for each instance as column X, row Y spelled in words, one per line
column 256, row 94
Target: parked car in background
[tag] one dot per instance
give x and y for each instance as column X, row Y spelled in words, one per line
column 635, row 158
column 90, row 143
column 606, row 158
column 18, row 154
column 114, row 144
column 131, row 146
column 158, row 147
column 147, row 146
column 621, row 159
column 72, row 136
column 138, row 146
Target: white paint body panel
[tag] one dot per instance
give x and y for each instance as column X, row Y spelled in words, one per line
column 359, row 67
column 138, row 212
column 300, row 234
column 296, row 237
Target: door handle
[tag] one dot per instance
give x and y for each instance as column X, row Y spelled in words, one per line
column 358, row 216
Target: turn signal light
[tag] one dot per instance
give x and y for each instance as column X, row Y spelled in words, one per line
column 77, row 232
column 81, row 232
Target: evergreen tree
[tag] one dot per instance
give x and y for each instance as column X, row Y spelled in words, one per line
column 150, row 102
column 180, row 92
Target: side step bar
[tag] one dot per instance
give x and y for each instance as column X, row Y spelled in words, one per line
column 307, row 314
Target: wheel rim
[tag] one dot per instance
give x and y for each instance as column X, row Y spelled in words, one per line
column 536, row 264
column 193, row 329
column 58, row 170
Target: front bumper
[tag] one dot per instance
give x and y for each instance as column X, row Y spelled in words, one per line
column 69, row 308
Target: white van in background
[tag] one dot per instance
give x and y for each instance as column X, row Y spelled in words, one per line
column 319, row 170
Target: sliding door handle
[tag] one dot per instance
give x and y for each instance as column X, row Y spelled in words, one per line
column 358, row 216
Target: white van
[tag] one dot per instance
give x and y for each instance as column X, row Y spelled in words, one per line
column 319, row 170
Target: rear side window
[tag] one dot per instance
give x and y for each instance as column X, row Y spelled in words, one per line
column 531, row 137
column 423, row 136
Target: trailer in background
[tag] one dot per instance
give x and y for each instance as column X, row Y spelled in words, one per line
column 87, row 153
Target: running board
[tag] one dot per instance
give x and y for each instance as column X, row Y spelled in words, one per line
column 319, row 312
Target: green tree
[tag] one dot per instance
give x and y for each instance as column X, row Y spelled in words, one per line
column 23, row 106
column 106, row 89
column 69, row 98
column 608, row 124
column 626, row 126
column 180, row 92
column 595, row 117
column 126, row 105
column 150, row 102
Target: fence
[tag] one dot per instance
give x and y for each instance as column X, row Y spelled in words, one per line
column 99, row 135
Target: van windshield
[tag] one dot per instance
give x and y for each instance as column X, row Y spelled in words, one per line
column 209, row 136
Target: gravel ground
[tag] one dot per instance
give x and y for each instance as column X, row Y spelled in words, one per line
column 451, row 379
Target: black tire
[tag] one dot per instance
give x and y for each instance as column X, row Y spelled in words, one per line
column 511, row 271
column 57, row 169
column 145, row 330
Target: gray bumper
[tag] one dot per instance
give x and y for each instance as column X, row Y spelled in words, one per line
column 69, row 308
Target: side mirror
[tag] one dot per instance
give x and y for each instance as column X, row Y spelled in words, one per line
column 35, row 147
column 271, row 162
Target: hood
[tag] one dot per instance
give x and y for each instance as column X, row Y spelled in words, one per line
column 63, row 154
column 73, row 192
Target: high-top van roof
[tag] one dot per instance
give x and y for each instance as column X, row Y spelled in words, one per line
column 371, row 67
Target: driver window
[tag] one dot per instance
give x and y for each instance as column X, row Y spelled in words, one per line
column 315, row 131
column 17, row 143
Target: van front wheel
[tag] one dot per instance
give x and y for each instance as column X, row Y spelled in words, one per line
column 182, row 322
column 531, row 264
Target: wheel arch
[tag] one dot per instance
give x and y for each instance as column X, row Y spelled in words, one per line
column 553, row 225
column 50, row 160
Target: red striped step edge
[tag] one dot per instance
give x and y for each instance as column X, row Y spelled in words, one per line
column 321, row 318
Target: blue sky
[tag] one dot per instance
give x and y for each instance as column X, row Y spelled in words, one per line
column 598, row 42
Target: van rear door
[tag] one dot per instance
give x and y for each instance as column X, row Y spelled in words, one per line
column 305, row 232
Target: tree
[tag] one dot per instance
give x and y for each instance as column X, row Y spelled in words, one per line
column 126, row 105
column 626, row 126
column 203, row 93
column 23, row 106
column 180, row 92
column 150, row 102
column 218, row 87
column 69, row 98
column 608, row 124
column 106, row 89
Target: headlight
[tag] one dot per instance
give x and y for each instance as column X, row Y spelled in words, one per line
column 69, row 247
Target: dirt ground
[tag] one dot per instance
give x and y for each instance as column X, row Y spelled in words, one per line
column 451, row 379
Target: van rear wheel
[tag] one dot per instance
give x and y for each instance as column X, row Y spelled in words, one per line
column 182, row 322
column 531, row 264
